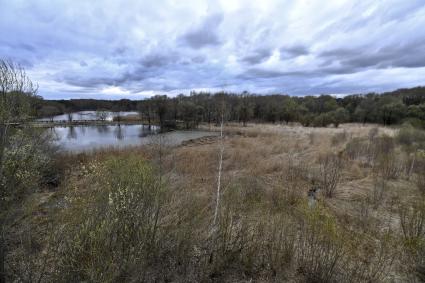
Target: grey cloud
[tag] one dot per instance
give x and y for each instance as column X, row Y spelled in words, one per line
column 158, row 60
column 257, row 56
column 205, row 34
column 253, row 73
column 293, row 51
column 89, row 82
column 404, row 55
column 198, row 59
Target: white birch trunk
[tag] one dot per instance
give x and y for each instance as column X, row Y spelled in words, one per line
column 220, row 163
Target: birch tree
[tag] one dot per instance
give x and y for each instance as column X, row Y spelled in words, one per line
column 220, row 165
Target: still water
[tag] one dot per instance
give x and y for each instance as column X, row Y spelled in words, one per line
column 89, row 137
column 88, row 115
column 85, row 138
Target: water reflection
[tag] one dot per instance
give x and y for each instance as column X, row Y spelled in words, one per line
column 119, row 132
column 72, row 133
column 89, row 115
column 101, row 129
column 81, row 138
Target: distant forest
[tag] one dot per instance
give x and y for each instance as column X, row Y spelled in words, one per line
column 403, row 105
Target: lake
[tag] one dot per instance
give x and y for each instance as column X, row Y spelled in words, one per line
column 88, row 115
column 87, row 137
column 84, row 138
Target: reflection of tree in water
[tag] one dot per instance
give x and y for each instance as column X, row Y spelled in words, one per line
column 102, row 129
column 72, row 133
column 83, row 130
column 119, row 132
column 144, row 131
column 53, row 133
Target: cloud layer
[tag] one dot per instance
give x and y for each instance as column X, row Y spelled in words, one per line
column 134, row 49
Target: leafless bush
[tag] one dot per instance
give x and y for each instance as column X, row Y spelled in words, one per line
column 378, row 191
column 330, row 169
column 382, row 146
column 339, row 138
column 32, row 259
column 370, row 259
column 412, row 222
column 420, row 172
column 365, row 212
column 233, row 241
column 384, row 158
column 320, row 247
column 373, row 133
column 294, row 179
column 312, row 136
column 388, row 165
column 356, row 148
column 280, row 243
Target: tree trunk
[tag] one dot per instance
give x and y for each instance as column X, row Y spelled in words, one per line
column 149, row 120
column 220, row 165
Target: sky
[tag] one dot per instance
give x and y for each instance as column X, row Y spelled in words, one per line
column 134, row 49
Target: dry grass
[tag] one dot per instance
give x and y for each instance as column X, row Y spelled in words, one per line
column 266, row 231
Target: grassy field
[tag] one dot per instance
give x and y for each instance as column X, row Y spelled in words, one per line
column 147, row 213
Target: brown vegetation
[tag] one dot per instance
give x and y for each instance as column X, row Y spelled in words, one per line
column 115, row 220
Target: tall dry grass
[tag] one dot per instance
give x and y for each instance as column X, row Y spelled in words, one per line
column 265, row 229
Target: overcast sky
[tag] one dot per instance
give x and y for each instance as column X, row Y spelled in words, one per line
column 134, row 49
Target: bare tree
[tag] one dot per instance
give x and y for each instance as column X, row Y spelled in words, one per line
column 145, row 111
column 70, row 117
column 16, row 92
column 101, row 115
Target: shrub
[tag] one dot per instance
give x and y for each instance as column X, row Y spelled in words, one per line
column 411, row 137
column 356, row 148
column 373, row 133
column 384, row 158
column 388, row 165
column 115, row 227
column 320, row 246
column 412, row 223
column 312, row 136
column 370, row 259
column 420, row 172
column 27, row 164
column 339, row 138
column 281, row 243
column 322, row 120
column 378, row 191
column 294, row 180
column 330, row 169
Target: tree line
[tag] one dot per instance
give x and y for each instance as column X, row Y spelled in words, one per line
column 319, row 111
